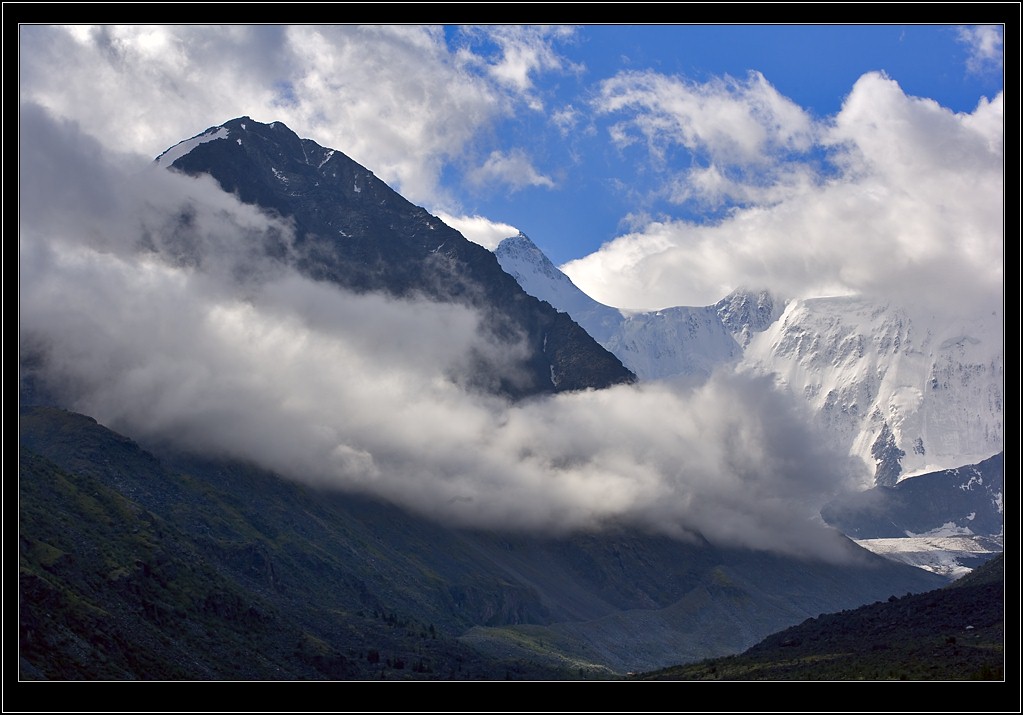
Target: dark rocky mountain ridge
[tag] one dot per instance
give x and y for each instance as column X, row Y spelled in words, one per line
column 968, row 498
column 353, row 230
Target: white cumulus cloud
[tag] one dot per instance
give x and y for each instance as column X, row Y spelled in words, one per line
column 912, row 212
column 740, row 132
column 392, row 97
column 523, row 51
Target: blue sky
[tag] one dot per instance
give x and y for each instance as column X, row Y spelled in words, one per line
column 652, row 141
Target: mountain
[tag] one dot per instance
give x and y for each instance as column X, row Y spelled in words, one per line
column 673, row 342
column 353, row 230
column 139, row 561
column 952, row 633
column 947, row 522
column 132, row 569
column 905, row 395
column 521, row 259
column 142, row 565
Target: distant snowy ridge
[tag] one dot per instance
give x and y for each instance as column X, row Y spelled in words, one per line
column 908, row 395
column 947, row 521
column 904, row 395
column 673, row 342
column 952, row 555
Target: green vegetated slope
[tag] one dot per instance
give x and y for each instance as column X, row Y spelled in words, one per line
column 134, row 567
column 132, row 570
column 953, row 633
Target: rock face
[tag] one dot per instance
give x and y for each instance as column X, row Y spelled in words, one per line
column 746, row 313
column 888, row 457
column 355, row 231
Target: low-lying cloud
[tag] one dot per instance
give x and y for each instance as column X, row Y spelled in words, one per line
column 159, row 315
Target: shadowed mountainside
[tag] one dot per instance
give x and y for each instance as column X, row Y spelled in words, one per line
column 139, row 567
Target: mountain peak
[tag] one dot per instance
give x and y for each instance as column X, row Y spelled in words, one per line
column 353, row 230
column 247, row 123
column 275, row 128
column 523, row 260
column 519, row 249
column 519, row 241
column 664, row 343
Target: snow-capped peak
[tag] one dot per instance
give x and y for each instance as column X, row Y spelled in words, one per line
column 519, row 250
column 524, row 261
column 655, row 344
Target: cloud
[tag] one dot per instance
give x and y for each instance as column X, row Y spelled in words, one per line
column 511, row 169
column 911, row 211
column 984, row 43
column 395, row 98
column 741, row 134
column 123, row 204
column 392, row 97
column 138, row 87
column 479, row 229
column 522, row 51
column 160, row 317
column 735, row 121
column 566, row 119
